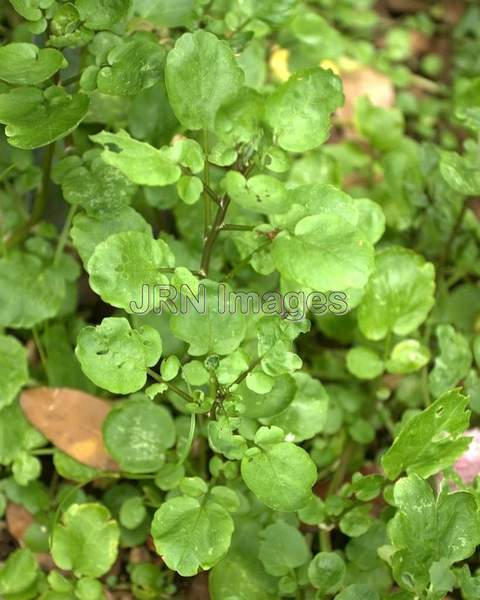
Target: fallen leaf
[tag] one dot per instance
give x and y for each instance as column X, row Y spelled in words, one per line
column 365, row 82
column 72, row 420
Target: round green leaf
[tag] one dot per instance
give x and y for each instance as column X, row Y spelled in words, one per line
column 115, row 356
column 27, row 64
column 19, row 572
column 364, row 363
column 281, row 476
column 306, row 414
column 283, row 548
column 215, row 327
column 299, row 110
column 399, row 294
column 326, row 572
column 325, row 253
column 201, row 75
column 191, row 534
column 86, row 542
column 30, row 292
column 126, row 267
column 408, row 356
column 137, row 433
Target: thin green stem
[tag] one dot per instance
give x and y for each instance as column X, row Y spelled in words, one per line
column 62, row 240
column 213, row 234
column 211, row 193
column 244, row 262
column 171, row 386
column 188, row 446
column 235, row 227
column 39, row 203
column 206, row 181
column 6, row 171
column 243, row 375
column 38, row 344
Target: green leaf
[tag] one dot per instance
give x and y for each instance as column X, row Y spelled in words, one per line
column 358, row 591
column 326, row 252
column 102, row 14
column 35, row 118
column 461, row 173
column 132, row 512
column 408, row 356
column 13, row 369
column 431, row 440
column 282, row 549
column 399, row 294
column 26, row 64
column 429, row 529
column 222, row 439
column 201, row 75
column 126, row 266
column 30, row 292
column 86, row 542
column 383, row 127
column 133, row 66
column 364, row 363
column 453, row 362
column 260, row 193
column 191, row 534
column 216, row 327
column 271, row 403
column 306, row 415
column 87, row 232
column 115, row 356
column 19, row 572
column 140, row 162
column 100, row 189
column 137, row 434
column 26, row 468
column 326, row 572
column 281, row 476
column 299, row 110
column 16, row 433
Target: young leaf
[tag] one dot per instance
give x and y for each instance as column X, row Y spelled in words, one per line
column 282, row 549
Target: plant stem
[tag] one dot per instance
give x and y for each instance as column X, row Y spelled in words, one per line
column 206, row 185
column 244, row 262
column 191, row 434
column 213, row 235
column 62, row 240
column 38, row 344
column 171, row 386
column 243, row 375
column 211, row 193
column 234, row 227
column 334, row 486
column 39, row 203
column 448, row 246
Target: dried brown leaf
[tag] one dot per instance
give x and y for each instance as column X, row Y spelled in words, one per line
column 72, row 420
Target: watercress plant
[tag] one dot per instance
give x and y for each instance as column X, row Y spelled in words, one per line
column 239, row 300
